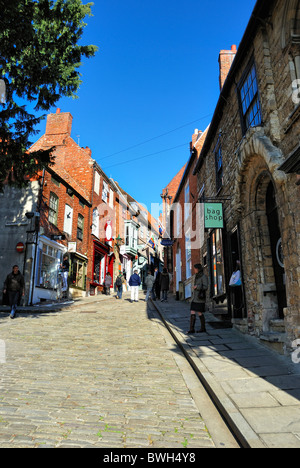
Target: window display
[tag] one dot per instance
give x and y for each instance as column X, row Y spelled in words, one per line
column 49, row 266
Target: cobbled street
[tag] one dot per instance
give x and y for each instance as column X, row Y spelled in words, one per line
column 96, row 375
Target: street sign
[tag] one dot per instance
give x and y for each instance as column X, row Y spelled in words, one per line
column 213, row 216
column 20, row 247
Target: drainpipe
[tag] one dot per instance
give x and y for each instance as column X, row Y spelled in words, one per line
column 37, row 228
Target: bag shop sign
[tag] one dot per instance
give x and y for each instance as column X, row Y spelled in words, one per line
column 213, row 216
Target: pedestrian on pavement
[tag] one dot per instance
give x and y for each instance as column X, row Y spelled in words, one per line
column 107, row 283
column 149, row 282
column 164, row 284
column 14, row 286
column 65, row 272
column 199, row 299
column 156, row 287
column 134, row 283
column 119, row 286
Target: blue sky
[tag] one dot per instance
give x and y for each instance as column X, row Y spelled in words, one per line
column 156, row 73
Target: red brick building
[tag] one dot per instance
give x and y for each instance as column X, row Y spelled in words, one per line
column 77, row 206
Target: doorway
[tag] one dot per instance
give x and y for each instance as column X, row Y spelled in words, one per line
column 237, row 293
column 276, row 248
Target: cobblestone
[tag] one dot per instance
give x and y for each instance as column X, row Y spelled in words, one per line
column 106, row 379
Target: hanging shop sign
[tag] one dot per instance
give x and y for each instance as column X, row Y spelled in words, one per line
column 108, row 231
column 167, row 242
column 213, row 216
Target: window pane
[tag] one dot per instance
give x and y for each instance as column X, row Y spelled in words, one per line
column 250, row 100
column 53, row 208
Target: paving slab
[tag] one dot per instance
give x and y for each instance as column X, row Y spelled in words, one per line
column 256, row 389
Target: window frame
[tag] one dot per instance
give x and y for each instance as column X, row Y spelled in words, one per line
column 255, row 99
column 53, row 218
column 219, row 165
column 80, row 227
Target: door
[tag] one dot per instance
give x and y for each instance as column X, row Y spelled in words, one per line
column 237, row 295
column 275, row 241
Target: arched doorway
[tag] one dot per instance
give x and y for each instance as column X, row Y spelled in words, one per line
column 262, row 208
column 268, row 235
column 276, row 248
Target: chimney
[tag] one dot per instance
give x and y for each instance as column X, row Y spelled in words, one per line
column 59, row 123
column 196, row 136
column 226, row 58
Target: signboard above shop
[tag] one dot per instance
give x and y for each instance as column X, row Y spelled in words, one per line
column 167, row 242
column 213, row 216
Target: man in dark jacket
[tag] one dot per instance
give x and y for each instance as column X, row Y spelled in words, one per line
column 164, row 284
column 14, row 286
column 134, row 283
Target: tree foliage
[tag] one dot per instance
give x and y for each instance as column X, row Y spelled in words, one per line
column 40, row 56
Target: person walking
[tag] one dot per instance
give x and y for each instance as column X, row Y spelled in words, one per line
column 14, row 286
column 164, row 284
column 134, row 283
column 199, row 299
column 107, row 283
column 149, row 282
column 119, row 286
column 156, row 287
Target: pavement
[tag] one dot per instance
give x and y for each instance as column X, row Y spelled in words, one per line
column 111, row 347
column 256, row 390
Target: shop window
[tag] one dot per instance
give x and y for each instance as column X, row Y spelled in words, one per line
column 80, row 226
column 249, row 99
column 49, row 264
column 78, row 273
column 53, row 208
column 217, row 266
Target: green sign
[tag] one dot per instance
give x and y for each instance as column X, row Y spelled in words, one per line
column 213, row 216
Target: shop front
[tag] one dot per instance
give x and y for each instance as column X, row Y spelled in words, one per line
column 99, row 267
column 46, row 276
column 77, row 273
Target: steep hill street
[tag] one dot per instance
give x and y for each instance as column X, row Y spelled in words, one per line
column 100, row 374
